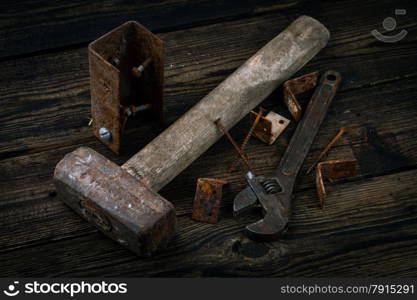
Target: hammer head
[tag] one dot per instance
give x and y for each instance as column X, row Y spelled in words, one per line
column 118, row 204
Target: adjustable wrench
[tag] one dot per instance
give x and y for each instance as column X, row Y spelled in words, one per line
column 274, row 194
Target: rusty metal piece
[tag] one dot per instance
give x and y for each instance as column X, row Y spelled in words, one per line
column 119, row 205
column 275, row 193
column 132, row 110
column 138, row 71
column 111, row 59
column 127, row 196
column 333, row 169
column 233, row 142
column 330, row 145
column 270, row 127
column 247, row 138
column 208, row 195
column 297, row 86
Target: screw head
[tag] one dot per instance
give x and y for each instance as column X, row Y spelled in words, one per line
column 105, row 134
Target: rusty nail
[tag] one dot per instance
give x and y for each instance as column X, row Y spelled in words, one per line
column 138, row 71
column 233, row 142
column 332, row 169
column 297, row 86
column 330, row 145
column 207, row 200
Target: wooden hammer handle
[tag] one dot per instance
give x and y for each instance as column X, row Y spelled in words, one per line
column 191, row 135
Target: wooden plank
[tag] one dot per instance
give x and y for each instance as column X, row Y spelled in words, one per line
column 32, row 173
column 27, row 27
column 368, row 229
column 32, row 217
column 63, row 120
column 53, row 92
column 29, row 200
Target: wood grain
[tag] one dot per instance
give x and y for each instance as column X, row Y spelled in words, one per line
column 39, row 26
column 369, row 226
column 369, row 229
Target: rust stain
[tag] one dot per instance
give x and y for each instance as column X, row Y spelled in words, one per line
column 297, row 86
column 126, row 69
column 206, row 205
column 269, row 127
column 333, row 169
column 327, row 148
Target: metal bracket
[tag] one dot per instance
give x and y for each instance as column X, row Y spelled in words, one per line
column 297, row 86
column 208, row 195
column 269, row 127
column 126, row 76
column 333, row 169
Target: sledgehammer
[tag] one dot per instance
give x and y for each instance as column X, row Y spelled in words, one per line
column 122, row 202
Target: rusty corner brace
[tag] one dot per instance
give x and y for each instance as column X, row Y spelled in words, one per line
column 297, row 86
column 328, row 147
column 332, row 169
column 207, row 200
column 269, row 127
column 126, row 77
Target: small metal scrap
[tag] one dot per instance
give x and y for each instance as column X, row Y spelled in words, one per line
column 333, row 169
column 233, row 142
column 208, row 195
column 330, row 145
column 297, row 86
column 269, row 127
column 248, row 136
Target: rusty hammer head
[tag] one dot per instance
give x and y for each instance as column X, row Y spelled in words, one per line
column 120, row 205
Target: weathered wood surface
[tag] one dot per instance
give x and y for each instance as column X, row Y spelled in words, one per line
column 34, row 26
column 369, row 225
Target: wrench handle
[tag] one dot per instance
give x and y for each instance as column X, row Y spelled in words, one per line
column 309, row 125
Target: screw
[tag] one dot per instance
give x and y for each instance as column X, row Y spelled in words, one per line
column 115, row 61
column 247, row 137
column 137, row 71
column 133, row 110
column 232, row 141
column 104, row 133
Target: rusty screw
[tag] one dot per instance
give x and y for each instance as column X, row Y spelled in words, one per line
column 133, row 110
column 232, row 141
column 137, row 71
column 247, row 137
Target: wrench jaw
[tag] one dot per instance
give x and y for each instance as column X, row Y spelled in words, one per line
column 244, row 202
column 270, row 228
column 275, row 205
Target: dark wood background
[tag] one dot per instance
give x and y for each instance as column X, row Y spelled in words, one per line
column 369, row 227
